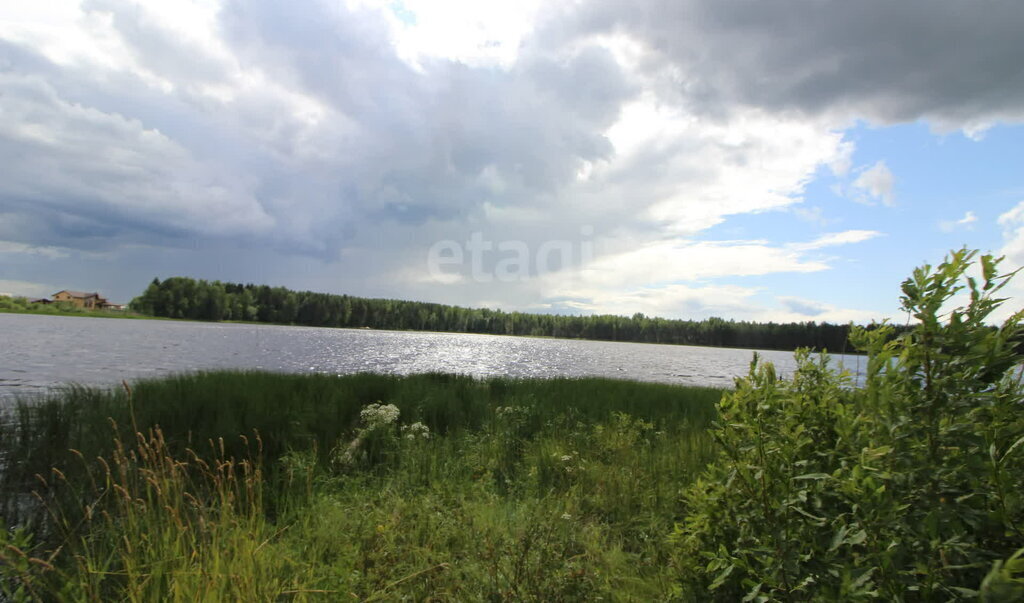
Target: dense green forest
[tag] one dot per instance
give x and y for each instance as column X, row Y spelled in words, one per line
column 180, row 297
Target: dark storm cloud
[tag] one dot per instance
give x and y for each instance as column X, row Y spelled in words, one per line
column 422, row 138
column 951, row 61
column 79, row 174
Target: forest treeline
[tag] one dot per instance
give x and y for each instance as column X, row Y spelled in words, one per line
column 181, row 297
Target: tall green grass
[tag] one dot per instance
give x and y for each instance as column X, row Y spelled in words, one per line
column 237, row 485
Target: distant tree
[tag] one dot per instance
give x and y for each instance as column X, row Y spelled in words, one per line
column 180, row 297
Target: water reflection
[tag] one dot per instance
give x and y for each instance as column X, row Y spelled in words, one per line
column 40, row 352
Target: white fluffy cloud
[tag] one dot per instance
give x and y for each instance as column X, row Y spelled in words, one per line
column 837, row 238
column 671, row 278
column 965, row 222
column 874, row 184
column 1012, row 223
column 25, row 289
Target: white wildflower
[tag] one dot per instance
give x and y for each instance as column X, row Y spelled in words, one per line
column 511, row 411
column 378, row 415
column 416, row 430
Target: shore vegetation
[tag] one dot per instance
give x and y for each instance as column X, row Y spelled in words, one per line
column 255, row 486
column 23, row 305
column 453, row 488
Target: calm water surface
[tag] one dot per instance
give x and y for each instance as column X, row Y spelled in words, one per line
column 38, row 353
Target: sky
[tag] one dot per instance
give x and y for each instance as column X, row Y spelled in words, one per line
column 679, row 158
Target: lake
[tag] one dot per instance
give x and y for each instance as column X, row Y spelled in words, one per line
column 38, row 353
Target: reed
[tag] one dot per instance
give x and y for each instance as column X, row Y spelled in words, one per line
column 246, row 485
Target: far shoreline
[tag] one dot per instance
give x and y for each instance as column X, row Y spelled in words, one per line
column 128, row 315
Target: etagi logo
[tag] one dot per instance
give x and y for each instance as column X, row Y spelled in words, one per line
column 506, row 261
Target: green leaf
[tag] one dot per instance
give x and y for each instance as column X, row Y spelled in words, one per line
column 753, row 593
column 1012, row 447
column 858, row 537
column 720, row 579
column 813, row 476
column 819, row 520
column 859, row 582
column 838, row 539
column 988, row 269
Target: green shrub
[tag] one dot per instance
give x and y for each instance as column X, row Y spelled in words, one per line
column 906, row 488
column 1006, row 580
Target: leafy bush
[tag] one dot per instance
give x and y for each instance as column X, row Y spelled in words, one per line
column 909, row 487
column 1006, row 580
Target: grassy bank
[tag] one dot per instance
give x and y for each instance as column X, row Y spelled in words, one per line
column 22, row 305
column 521, row 489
